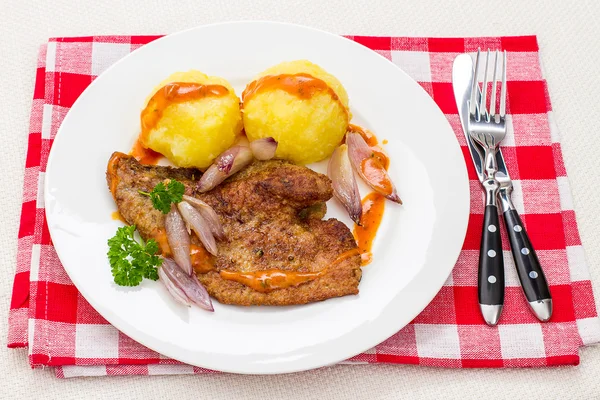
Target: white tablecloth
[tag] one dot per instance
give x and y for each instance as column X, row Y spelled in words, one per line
column 568, row 36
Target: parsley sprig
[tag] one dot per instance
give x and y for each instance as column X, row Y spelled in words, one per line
column 130, row 260
column 164, row 194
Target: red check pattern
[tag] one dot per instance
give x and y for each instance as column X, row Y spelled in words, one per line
column 60, row 329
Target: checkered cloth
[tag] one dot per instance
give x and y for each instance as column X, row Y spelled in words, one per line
column 59, row 327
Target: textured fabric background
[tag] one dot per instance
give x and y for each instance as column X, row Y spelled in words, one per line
column 569, row 54
column 60, row 328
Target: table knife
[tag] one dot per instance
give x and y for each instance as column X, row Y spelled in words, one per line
column 490, row 292
column 532, row 278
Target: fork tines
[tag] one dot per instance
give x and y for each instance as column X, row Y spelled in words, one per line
column 478, row 109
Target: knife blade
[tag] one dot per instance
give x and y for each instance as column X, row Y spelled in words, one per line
column 531, row 275
column 490, row 292
column 462, row 76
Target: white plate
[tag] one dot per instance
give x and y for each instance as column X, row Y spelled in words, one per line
column 414, row 252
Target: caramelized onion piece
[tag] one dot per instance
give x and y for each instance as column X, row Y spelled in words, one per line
column 344, row 184
column 369, row 168
column 242, row 140
column 173, row 290
column 179, row 239
column 227, row 163
column 209, row 215
column 194, row 219
column 264, row 149
column 189, row 285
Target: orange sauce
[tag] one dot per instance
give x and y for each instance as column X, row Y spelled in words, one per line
column 372, row 142
column 202, row 261
column 111, row 172
column 175, row 92
column 385, row 141
column 381, row 156
column 369, row 136
column 366, row 258
column 375, row 173
column 300, row 85
column 373, row 206
column 345, row 255
column 163, row 244
column 272, row 279
column 116, row 215
column 144, row 155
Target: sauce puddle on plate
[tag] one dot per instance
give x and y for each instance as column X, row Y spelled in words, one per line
column 143, row 155
column 116, row 215
column 373, row 206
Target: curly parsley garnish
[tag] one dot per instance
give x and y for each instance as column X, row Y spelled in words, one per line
column 130, row 260
column 163, row 195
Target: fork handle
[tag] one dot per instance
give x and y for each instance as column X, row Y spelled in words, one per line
column 491, row 267
column 530, row 271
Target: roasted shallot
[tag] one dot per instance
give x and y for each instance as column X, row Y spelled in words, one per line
column 188, row 285
column 226, row 164
column 370, row 169
column 209, row 215
column 264, row 148
column 199, row 224
column 175, row 292
column 179, row 239
column 343, row 182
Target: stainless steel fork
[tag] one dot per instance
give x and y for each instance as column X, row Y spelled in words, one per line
column 488, row 128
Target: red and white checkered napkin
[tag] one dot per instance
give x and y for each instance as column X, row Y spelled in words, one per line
column 51, row 318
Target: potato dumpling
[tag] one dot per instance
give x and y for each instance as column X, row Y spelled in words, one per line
column 301, row 106
column 191, row 118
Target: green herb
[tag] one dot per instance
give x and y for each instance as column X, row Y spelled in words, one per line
column 130, row 260
column 163, row 195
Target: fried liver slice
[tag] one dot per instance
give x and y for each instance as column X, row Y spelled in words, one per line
column 272, row 216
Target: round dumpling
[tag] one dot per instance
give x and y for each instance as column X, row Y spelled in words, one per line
column 301, row 106
column 191, row 118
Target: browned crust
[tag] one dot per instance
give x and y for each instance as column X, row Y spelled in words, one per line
column 271, row 213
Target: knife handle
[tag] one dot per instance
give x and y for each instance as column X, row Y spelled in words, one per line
column 528, row 265
column 491, row 267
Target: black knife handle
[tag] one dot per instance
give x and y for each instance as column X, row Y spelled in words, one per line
column 529, row 269
column 491, row 262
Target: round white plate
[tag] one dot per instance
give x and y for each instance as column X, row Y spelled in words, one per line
column 414, row 251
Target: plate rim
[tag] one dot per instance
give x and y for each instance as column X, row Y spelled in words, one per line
column 146, row 340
